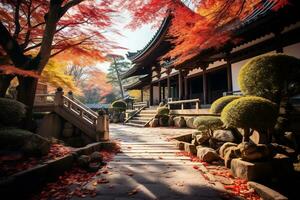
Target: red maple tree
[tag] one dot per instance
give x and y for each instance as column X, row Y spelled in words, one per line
column 33, row 31
column 196, row 24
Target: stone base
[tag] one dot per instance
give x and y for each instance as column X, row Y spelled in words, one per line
column 190, row 148
column 251, row 171
column 265, row 192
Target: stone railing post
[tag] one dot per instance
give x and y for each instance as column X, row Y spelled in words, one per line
column 58, row 99
column 70, row 95
column 102, row 126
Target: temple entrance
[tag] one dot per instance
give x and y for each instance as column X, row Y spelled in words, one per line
column 217, row 84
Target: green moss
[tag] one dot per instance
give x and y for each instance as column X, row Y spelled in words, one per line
column 11, row 112
column 22, row 140
column 250, row 112
column 203, row 123
column 164, row 120
column 119, row 105
column 162, row 111
column 265, row 75
column 218, row 105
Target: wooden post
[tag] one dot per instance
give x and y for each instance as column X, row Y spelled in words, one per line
column 151, row 95
column 186, row 92
column 102, row 128
column 205, row 101
column 142, row 95
column 159, row 92
column 229, row 77
column 168, row 86
column 58, row 99
column 180, row 85
column 163, row 95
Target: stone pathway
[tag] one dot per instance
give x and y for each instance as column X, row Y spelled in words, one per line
column 148, row 168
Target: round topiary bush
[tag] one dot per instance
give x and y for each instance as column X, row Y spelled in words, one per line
column 219, row 104
column 162, row 111
column 11, row 112
column 25, row 141
column 208, row 123
column 119, row 105
column 265, row 75
column 250, row 112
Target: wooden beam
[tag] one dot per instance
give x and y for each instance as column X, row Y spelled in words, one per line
column 142, row 95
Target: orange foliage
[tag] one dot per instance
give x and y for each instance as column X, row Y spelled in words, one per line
column 207, row 25
column 6, row 69
column 80, row 34
column 97, row 79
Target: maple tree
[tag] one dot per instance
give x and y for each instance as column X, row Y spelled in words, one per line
column 67, row 29
column 196, row 25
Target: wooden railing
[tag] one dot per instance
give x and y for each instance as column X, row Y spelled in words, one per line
column 82, row 112
column 138, row 105
column 183, row 102
column 237, row 92
column 96, row 126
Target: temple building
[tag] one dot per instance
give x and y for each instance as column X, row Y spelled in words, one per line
column 213, row 73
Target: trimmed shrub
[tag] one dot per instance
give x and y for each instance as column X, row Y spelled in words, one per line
column 119, row 105
column 218, row 105
column 265, row 76
column 25, row 141
column 250, row 112
column 209, row 123
column 162, row 111
column 11, row 112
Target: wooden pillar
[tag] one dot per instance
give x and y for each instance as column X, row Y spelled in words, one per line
column 180, row 92
column 168, row 86
column 151, row 95
column 186, row 91
column 164, row 95
column 142, row 95
column 229, row 77
column 159, row 92
column 205, row 97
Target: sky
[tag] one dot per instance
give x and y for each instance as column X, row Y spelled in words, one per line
column 133, row 40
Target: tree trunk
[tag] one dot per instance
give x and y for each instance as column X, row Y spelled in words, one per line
column 119, row 78
column 26, row 93
column 4, row 84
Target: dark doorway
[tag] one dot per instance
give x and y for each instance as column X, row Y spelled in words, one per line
column 217, row 84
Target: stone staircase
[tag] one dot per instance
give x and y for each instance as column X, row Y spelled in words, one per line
column 142, row 118
column 95, row 126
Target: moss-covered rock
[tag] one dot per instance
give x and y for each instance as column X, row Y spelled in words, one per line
column 190, row 122
column 218, row 105
column 208, row 123
column 11, row 112
column 265, row 75
column 119, row 105
column 250, row 112
column 179, row 122
column 164, row 120
column 25, row 141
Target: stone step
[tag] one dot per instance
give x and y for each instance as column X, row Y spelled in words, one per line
column 142, row 118
column 160, row 162
column 135, row 125
column 138, row 121
column 148, row 111
column 148, row 115
column 151, row 157
column 151, row 151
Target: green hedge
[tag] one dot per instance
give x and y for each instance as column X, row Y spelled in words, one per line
column 250, row 112
column 119, row 105
column 22, row 140
column 265, row 75
column 218, row 105
column 208, row 123
column 162, row 111
column 11, row 112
